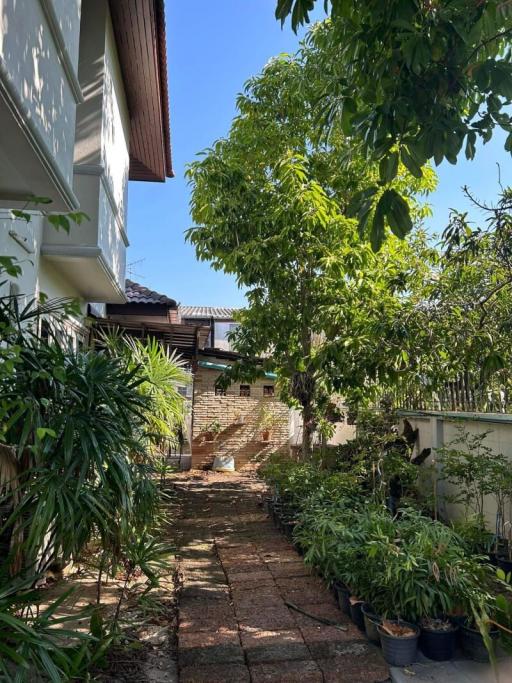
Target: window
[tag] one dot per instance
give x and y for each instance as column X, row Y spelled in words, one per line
column 219, row 391
column 245, row 390
column 268, row 390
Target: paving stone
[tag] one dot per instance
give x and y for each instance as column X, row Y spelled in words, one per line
column 223, row 673
column 301, row 583
column 305, row 671
column 277, row 653
column 328, row 634
column 251, row 577
column 288, row 569
column 268, row 619
column 205, row 590
column 369, row 668
column 309, row 595
column 199, row 612
column 194, row 639
column 349, row 649
column 217, row 654
column 265, row 596
column 258, row 636
column 322, row 610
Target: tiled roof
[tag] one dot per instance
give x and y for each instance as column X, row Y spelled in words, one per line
column 137, row 294
column 217, row 312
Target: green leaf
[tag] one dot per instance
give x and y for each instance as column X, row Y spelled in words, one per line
column 45, row 431
column 23, row 215
column 398, row 214
column 410, row 163
column 388, row 167
column 377, row 232
column 59, row 221
column 470, row 145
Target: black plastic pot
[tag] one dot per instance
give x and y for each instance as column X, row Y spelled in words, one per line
column 356, row 614
column 473, row 644
column 288, row 526
column 505, row 564
column 438, row 644
column 371, row 621
column 343, row 596
column 399, row 651
column 269, row 505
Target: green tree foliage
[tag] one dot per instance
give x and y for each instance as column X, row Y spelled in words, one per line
column 271, row 204
column 410, row 80
column 462, row 321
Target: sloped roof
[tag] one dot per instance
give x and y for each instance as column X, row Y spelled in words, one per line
column 217, row 312
column 137, row 294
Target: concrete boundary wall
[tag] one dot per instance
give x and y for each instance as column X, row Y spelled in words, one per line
column 438, row 429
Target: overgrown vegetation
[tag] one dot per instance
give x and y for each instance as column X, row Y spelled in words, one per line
column 76, row 477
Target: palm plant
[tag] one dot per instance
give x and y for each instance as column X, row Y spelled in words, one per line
column 74, row 467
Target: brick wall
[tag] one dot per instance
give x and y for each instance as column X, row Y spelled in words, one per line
column 243, row 441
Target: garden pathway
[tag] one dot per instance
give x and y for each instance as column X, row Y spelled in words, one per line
column 238, row 572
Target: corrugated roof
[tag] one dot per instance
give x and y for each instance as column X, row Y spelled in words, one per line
column 137, row 294
column 217, row 312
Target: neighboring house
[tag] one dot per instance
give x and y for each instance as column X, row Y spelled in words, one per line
column 83, row 109
column 246, row 421
column 249, row 421
column 219, row 320
column 147, row 313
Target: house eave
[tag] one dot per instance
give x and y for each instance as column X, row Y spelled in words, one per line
column 139, row 29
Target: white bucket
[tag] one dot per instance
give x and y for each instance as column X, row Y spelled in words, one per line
column 224, row 463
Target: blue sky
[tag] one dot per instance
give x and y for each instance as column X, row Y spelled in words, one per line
column 213, row 48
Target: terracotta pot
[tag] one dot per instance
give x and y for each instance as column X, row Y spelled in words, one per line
column 265, row 435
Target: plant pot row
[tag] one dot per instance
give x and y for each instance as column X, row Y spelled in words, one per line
column 400, row 640
column 282, row 515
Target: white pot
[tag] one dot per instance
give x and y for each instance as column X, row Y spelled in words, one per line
column 224, row 463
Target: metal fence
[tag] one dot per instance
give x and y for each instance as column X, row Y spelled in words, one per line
column 464, row 394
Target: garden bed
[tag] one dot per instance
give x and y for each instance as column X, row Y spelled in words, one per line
column 422, row 584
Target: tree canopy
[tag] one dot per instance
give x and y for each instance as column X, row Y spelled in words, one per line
column 271, row 203
column 409, row 80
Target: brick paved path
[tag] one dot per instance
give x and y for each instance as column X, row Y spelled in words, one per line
column 238, row 571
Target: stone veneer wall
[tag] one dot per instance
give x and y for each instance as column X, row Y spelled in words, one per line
column 243, row 441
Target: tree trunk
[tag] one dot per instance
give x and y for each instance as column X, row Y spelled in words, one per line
column 307, row 415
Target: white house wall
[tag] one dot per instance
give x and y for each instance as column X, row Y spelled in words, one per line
column 101, row 163
column 22, row 241
column 39, row 91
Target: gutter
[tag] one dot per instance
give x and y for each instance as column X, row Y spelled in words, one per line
column 220, row 366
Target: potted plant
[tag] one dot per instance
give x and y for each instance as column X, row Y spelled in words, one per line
column 267, row 421
column 399, row 641
column 473, row 641
column 371, row 622
column 438, row 638
column 356, row 613
column 212, row 430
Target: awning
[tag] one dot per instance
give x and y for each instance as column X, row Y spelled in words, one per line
column 220, row 366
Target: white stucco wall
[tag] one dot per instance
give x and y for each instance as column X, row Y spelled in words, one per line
column 38, row 57
column 101, row 158
column 435, row 431
column 22, row 241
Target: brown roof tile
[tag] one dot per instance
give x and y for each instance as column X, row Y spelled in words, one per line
column 137, row 294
